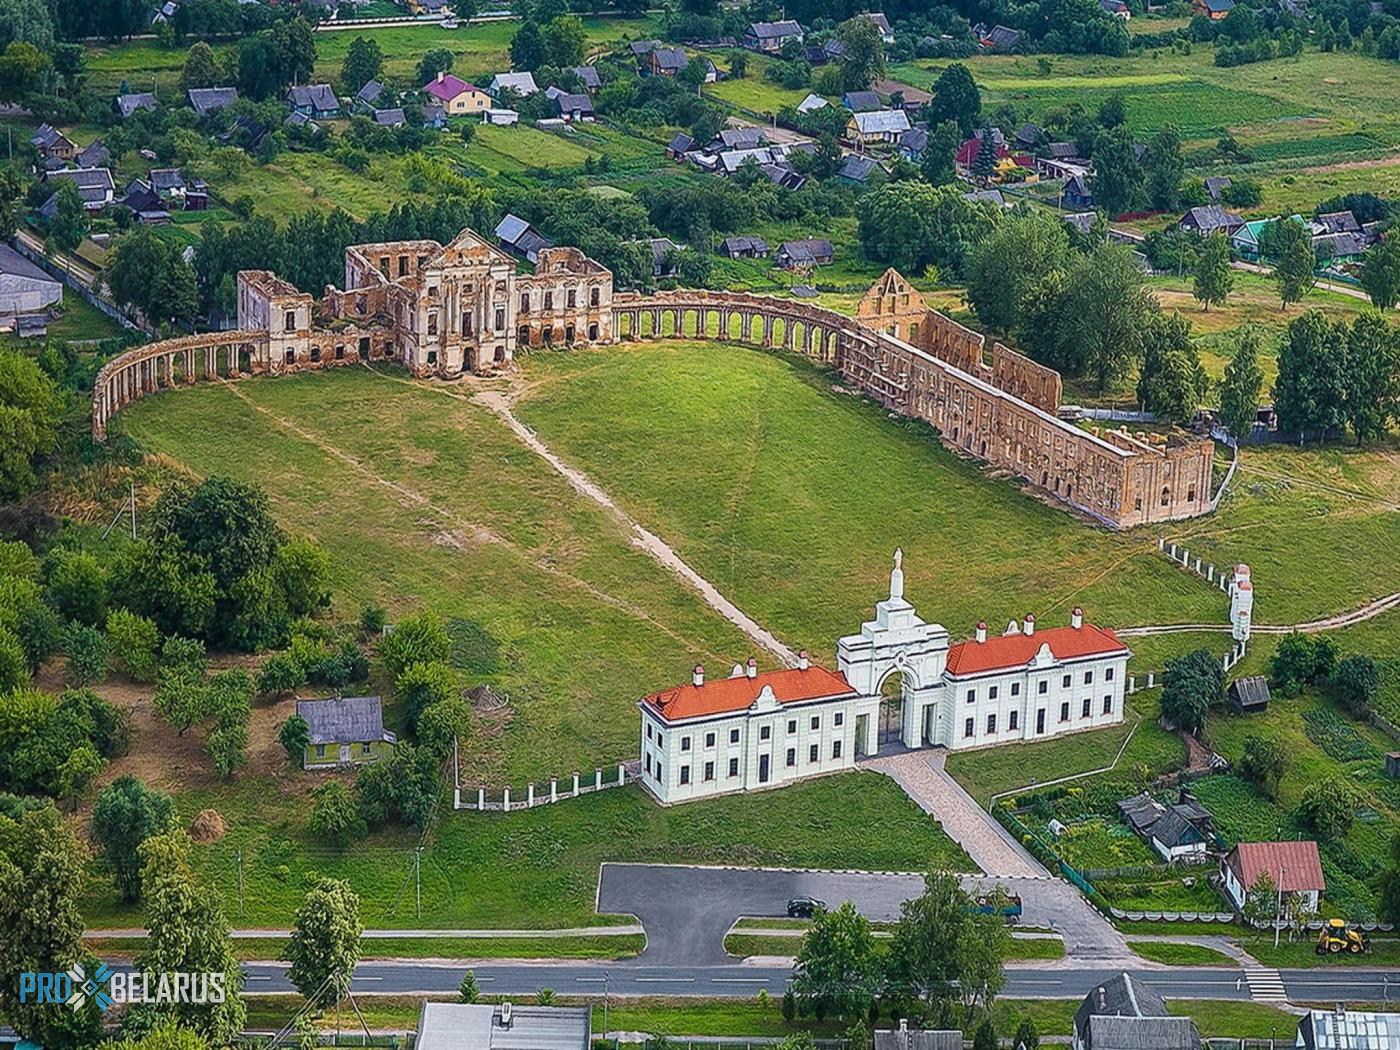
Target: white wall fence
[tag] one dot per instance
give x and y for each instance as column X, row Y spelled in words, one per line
column 1205, row 570
column 556, row 789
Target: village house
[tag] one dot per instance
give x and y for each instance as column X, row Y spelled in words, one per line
column 998, row 38
column 128, row 104
column 145, row 204
column 884, row 125
column 573, row 109
column 881, row 23
column 1180, row 831
column 1208, row 219
column 206, row 100
column 1123, row 1013
column 1075, row 193
column 744, row 247
column 523, row 84
column 456, row 96
column 665, row 61
column 1343, row 1029
column 95, row 187
column 393, row 117
column 588, row 75
column 316, row 101
column 1216, row 185
column 344, row 731
column 912, row 144
column 503, row 1026
column 812, row 103
column 856, row 169
column 1116, row 8
column 1294, row 868
column 771, row 37
column 861, row 101
column 501, row 118
column 792, row 254
column 521, row 238
column 752, row 730
column 53, row 144
column 910, row 99
column 1249, row 696
column 94, row 155
column 1215, row 10
column 26, row 291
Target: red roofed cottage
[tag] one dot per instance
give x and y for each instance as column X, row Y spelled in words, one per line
column 456, row 95
column 897, row 683
column 1293, row 867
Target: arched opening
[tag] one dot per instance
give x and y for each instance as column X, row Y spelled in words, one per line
column 890, row 727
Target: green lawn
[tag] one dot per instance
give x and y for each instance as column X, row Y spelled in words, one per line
column 1172, row 954
column 538, row 868
column 620, row 947
column 80, row 322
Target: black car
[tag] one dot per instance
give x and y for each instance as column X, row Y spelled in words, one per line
column 804, row 907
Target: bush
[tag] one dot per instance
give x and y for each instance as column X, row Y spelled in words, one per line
column 334, row 818
column 1263, row 764
column 88, row 658
column 421, row 686
column 294, row 736
column 1301, row 660
column 418, row 639
column 1356, row 681
column 76, row 586
column 133, row 640
column 280, row 673
column 1327, row 808
column 372, row 618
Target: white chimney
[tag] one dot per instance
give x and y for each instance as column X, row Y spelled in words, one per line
column 1029, row 624
column 751, row 668
column 737, row 671
column 981, row 632
column 697, row 676
column 1076, row 618
column 803, row 661
column 440, row 75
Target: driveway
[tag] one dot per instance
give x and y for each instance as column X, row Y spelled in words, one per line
column 686, row 911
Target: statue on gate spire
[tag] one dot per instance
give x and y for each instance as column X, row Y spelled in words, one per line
column 897, row 576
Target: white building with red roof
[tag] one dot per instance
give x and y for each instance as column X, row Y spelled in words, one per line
column 456, row 96
column 1294, row 868
column 755, row 730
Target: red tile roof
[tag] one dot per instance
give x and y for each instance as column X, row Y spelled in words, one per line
column 448, row 88
column 1017, row 650
column 1299, row 862
column 727, row 695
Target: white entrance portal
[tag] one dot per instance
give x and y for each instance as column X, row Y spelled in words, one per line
column 898, row 642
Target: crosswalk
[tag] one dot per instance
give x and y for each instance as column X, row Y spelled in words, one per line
column 1265, row 985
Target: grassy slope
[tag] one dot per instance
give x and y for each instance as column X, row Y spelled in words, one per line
column 1171, row 954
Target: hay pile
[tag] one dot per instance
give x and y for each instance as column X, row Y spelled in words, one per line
column 208, row 827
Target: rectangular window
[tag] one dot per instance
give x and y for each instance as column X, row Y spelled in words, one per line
column 709, row 771
column 685, row 743
column 1013, row 719
column 1064, row 711
column 593, row 297
column 648, row 763
column 1042, row 688
column 836, row 749
column 648, row 730
column 1085, row 708
column 549, row 300
column 992, row 693
column 734, row 736
column 733, row 767
column 573, row 297
column 972, row 696
column 1015, row 688
column 289, row 322
column 1108, row 674
column 839, row 718
column 1108, row 705
column 792, row 725
column 967, row 728
column 524, row 302
column 320, row 750
column 765, row 732
column 1064, row 682
column 816, row 722
column 812, row 753
column 500, row 319
column 685, row 774
column 709, row 740
column 1040, row 721
column 1088, row 677
column 791, row 757
column 991, row 723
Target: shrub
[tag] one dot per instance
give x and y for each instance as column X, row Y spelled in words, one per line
column 422, row 685
column 372, row 618
column 418, row 639
column 1356, row 681
column 1263, row 764
column 1327, row 808
column 334, row 818
column 1301, row 660
column 294, row 735
column 280, row 673
column 133, row 641
column 86, row 648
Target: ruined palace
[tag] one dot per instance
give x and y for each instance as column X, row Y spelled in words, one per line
column 445, row 311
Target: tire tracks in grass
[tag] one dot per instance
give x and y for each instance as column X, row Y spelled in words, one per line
column 448, row 518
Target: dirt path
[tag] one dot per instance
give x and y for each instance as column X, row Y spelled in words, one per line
column 1326, row 286
column 1366, row 612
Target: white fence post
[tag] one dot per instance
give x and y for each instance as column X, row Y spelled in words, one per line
column 621, row 774
column 575, row 783
column 505, row 802
column 1173, row 552
column 456, row 798
column 1132, row 684
column 530, row 794
column 554, row 789
column 1150, row 676
column 1210, row 573
column 481, row 798
column 597, row 780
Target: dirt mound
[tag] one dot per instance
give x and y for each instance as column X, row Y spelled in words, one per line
column 208, row 827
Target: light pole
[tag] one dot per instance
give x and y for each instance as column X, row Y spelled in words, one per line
column 605, row 1003
column 1278, row 915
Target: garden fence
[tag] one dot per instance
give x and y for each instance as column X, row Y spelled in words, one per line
column 72, row 282
column 558, row 790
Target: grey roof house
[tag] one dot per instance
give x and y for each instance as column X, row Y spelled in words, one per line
column 1122, row 1013
column 344, row 730
column 1341, row 1029
column 589, row 76
column 25, row 288
column 128, row 104
column 518, row 236
column 390, row 118
column 906, row 1038
column 1210, row 218
column 804, row 253
column 95, row 185
column 1217, row 185
column 862, row 101
column 206, row 100
column 1249, row 695
column 771, row 36
column 94, row 155
column 743, row 247
column 368, row 96
column 481, row 1026
column 314, row 100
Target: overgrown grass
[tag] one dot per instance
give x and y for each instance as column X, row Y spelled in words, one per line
column 1173, row 954
column 250, row 949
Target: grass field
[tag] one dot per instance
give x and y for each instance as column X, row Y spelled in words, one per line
column 1172, row 954
column 80, row 323
column 623, row 946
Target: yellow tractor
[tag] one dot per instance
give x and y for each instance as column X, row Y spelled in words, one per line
column 1337, row 936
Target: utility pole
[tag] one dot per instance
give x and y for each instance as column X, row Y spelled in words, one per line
column 133, row 510
column 418, row 881
column 1278, row 916
column 239, row 857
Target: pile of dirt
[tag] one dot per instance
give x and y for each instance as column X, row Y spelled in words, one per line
column 208, row 827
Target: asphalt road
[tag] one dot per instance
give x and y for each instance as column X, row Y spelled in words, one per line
column 737, row 981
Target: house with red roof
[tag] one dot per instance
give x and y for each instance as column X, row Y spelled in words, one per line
column 456, row 96
column 898, row 683
column 1295, row 868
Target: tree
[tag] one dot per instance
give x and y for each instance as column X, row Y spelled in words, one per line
column 1263, row 763
column 468, row 991
column 1213, row 276
column 201, row 67
column 422, row 685
column 27, row 21
column 1239, row 391
column 1380, row 273
column 151, row 275
column 738, row 64
column 124, row 816
column 29, row 413
column 1294, row 260
column 1301, row 660
column 1112, row 112
column 417, row 639
column 1327, row 808
column 1261, row 900
column 1165, row 168
column 444, row 722
column 335, row 819
column 438, row 60
column 837, row 968
column 1118, row 176
column 1309, row 391
column 188, row 933
column 300, row 570
column 863, row 58
column 325, row 943
column 1371, row 377
column 912, row 226
column 280, row 674
column 133, row 640
column 527, row 47
column 938, row 163
column 1097, row 318
column 363, row 61
column 1005, row 269
column 956, row 99
column 1190, row 685
column 1171, row 381
column 75, row 584
column 230, row 702
column 294, row 735
column 984, row 164
column 565, row 41
column 23, row 68
column 225, row 522
column 14, row 670
column 985, row 1037
column 1027, row 1036
column 181, row 698
column 69, row 224
column 1357, row 682
column 88, row 658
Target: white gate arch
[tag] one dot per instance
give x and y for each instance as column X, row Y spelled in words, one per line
column 897, row 641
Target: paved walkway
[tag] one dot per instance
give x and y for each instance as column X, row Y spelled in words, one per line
column 249, row 934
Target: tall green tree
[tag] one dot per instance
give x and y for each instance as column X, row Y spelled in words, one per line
column 187, row 932
column 1328, row 808
column 1213, row 278
column 363, row 61
column 1371, row 378
column 1380, row 273
column 863, row 58
column 26, row 21
column 837, row 970
column 1118, row 177
column 1294, row 259
column 325, row 943
column 984, row 164
column 956, row 98
column 1165, row 168
column 1309, row 391
column 1191, row 684
column 201, row 68
column 1239, row 391
column 912, row 226
column 938, row 163
column 1263, row 763
column 527, row 47
column 1098, row 315
column 1005, row 269
column 126, row 814
column 151, row 275
column 69, row 224
column 29, row 414
column 564, row 41
column 23, row 69
column 1171, row 381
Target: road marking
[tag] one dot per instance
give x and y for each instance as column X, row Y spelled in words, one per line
column 254, row 977
column 357, row 977
column 599, row 980
column 663, row 980
column 738, row 980
column 1265, row 985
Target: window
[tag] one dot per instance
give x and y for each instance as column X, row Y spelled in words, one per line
column 992, row 693
column 685, row 774
column 524, row 302
column 648, row 762
column 573, row 297
column 340, row 353
column 1085, row 708
column 403, row 266
column 812, row 753
column 1108, row 674
column 1012, row 720
column 432, row 357
column 1064, row 711
column 1108, row 705
column 500, row 319
column 733, row 767
column 433, row 323
column 791, row 757
column 709, row 771
column 432, row 291
column 1040, row 721
column 764, row 732
column 734, row 736
column 1042, row 688
column 1015, row 688
column 816, row 722
column 1064, row 682
column 593, row 331
column 991, row 723
column 839, row 718
column 320, row 750
column 648, row 730
column 685, row 743
column 792, row 725
column 972, row 696
column 1088, row 677
column 593, row 297
column 289, row 322
column 967, row 728
column 549, row 300
column 709, row 740
column 315, row 354
column 836, row 749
